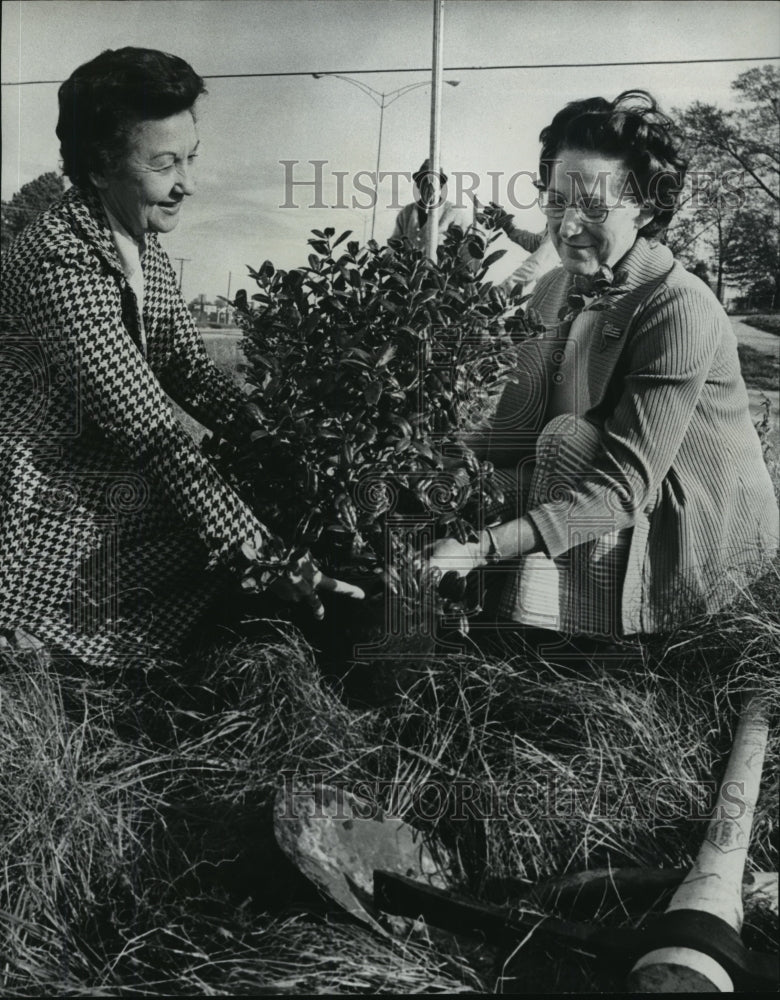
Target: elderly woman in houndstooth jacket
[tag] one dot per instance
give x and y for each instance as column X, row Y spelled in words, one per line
column 115, row 531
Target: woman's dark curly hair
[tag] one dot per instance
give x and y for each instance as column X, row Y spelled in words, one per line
column 103, row 100
column 633, row 128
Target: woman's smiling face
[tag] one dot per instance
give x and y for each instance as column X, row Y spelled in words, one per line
column 589, row 178
column 145, row 192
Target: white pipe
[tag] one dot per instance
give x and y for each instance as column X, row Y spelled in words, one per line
column 714, row 883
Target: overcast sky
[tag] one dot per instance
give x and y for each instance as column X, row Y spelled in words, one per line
column 490, row 121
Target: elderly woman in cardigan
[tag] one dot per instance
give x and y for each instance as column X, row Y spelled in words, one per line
column 642, row 495
column 115, row 530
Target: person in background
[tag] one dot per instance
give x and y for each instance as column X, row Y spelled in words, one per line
column 542, row 255
column 412, row 221
column 642, row 493
column 542, row 258
column 116, row 532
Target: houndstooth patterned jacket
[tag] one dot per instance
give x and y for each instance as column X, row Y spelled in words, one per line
column 115, row 531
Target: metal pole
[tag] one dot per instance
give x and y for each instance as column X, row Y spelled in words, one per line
column 378, row 154
column 435, row 155
column 181, row 268
column 227, row 299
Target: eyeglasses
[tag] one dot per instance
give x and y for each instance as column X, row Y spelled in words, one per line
column 554, row 207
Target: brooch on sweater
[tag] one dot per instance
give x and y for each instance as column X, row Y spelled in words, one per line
column 593, row 293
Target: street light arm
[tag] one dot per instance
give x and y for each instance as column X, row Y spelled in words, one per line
column 380, row 99
column 376, row 96
column 395, row 94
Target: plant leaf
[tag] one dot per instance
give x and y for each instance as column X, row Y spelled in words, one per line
column 387, row 355
column 493, row 257
column 341, row 238
column 372, row 392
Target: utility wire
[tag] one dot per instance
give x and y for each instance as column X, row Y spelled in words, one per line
column 450, row 69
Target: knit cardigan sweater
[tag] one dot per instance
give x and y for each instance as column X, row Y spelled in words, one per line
column 659, row 441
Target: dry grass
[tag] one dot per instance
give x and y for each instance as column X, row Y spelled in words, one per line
column 136, row 842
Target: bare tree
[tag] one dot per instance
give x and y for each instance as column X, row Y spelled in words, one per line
column 732, row 208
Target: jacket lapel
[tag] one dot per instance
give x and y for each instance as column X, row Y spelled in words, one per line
column 91, row 224
column 645, row 266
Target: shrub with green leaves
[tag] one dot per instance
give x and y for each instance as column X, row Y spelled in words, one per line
column 368, row 365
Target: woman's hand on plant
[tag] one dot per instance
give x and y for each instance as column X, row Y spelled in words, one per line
column 449, row 555
column 450, row 564
column 302, row 580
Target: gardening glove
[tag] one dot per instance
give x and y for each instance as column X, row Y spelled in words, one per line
column 301, row 580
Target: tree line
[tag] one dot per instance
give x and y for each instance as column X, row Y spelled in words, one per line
column 727, row 230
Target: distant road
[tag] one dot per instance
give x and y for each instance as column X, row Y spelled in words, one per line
column 225, row 331
column 746, row 334
column 224, row 346
column 760, row 340
column 769, row 344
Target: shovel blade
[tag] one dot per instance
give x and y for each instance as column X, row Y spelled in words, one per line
column 337, row 841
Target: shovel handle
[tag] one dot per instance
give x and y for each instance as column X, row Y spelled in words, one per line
column 405, row 897
column 712, row 890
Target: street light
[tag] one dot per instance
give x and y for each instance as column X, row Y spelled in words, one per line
column 382, row 101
